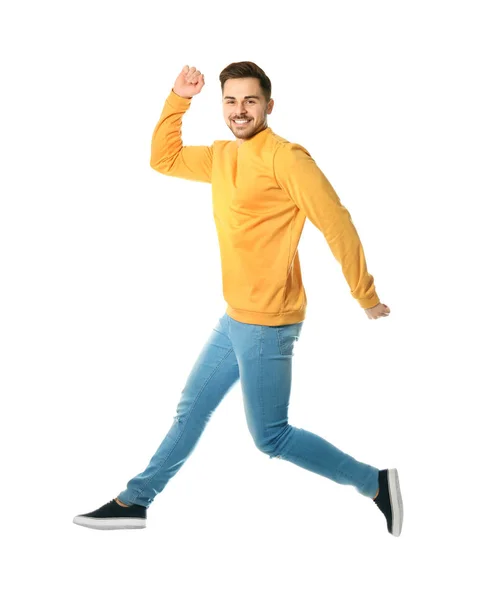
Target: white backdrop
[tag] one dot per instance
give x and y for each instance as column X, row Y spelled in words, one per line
column 110, row 285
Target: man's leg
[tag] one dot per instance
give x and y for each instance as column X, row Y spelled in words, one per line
column 214, row 373
column 264, row 355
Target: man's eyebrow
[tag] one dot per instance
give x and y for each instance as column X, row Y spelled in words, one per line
column 233, row 97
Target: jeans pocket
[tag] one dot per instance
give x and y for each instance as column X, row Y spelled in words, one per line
column 288, row 335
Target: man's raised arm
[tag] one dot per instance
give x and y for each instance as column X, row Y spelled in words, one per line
column 168, row 155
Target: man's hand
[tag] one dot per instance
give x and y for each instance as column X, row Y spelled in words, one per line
column 381, row 310
column 189, row 82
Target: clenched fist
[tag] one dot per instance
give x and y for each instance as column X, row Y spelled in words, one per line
column 189, row 82
column 380, row 310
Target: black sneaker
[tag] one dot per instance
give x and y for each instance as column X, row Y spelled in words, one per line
column 389, row 500
column 114, row 516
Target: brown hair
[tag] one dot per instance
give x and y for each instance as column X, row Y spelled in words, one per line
column 246, row 68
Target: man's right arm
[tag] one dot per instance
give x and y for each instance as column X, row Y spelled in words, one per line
column 168, row 155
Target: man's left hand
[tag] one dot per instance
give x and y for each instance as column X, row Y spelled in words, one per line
column 381, row 310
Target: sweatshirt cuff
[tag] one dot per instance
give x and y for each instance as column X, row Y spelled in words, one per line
column 369, row 302
column 177, row 101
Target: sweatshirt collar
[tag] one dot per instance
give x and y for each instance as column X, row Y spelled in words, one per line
column 253, row 141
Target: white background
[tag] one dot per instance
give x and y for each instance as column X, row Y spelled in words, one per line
column 110, row 285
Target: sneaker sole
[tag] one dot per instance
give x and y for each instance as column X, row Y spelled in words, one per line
column 395, row 501
column 110, row 523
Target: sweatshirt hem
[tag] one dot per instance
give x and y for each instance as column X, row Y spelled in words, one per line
column 269, row 319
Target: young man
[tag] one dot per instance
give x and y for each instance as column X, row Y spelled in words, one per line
column 263, row 189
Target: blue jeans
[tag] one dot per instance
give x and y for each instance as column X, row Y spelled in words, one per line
column 261, row 357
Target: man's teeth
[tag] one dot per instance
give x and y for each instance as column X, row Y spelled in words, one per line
column 241, row 120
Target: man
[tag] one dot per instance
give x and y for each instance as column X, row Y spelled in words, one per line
column 263, row 189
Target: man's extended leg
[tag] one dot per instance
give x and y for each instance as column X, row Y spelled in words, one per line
column 214, row 373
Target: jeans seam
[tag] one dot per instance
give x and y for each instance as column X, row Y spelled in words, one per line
column 279, row 340
column 355, row 482
column 260, row 378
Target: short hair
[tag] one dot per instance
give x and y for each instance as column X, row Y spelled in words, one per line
column 238, row 70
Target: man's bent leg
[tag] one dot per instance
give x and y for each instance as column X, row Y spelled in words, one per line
column 264, row 355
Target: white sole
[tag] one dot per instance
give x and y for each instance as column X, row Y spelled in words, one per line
column 395, row 501
column 110, row 523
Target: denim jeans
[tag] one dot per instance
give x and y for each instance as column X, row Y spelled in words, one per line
column 260, row 357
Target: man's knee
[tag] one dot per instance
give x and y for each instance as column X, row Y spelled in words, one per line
column 267, row 448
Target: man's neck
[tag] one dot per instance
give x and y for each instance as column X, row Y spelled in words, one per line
column 240, row 141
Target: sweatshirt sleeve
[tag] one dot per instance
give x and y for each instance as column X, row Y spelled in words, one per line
column 299, row 176
column 168, row 155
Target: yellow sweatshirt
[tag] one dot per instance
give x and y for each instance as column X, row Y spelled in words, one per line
column 262, row 192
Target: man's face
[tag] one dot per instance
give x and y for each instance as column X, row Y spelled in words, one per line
column 238, row 104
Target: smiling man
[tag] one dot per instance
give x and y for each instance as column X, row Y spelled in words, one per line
column 263, row 189
column 246, row 113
